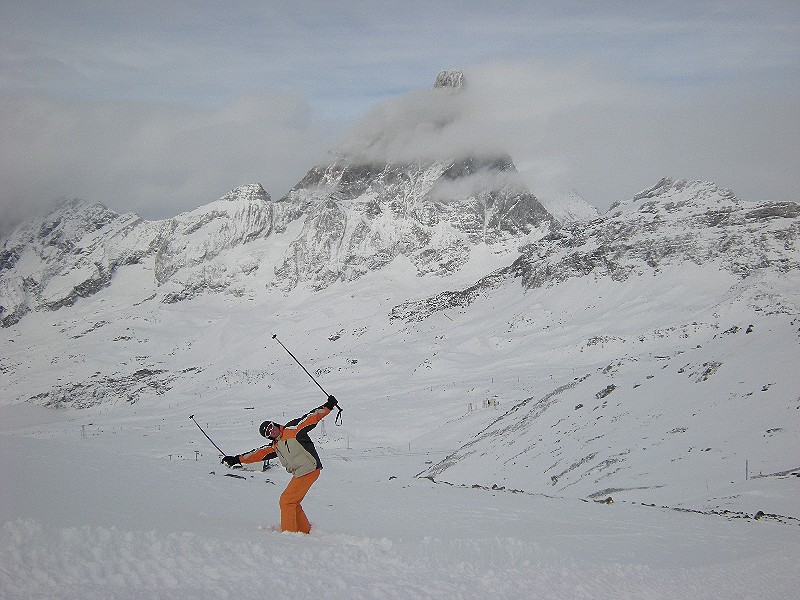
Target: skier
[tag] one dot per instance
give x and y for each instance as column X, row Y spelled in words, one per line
column 294, row 448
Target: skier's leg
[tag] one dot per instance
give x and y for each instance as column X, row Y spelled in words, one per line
column 292, row 516
column 303, row 526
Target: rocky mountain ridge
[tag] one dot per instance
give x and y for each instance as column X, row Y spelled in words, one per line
column 362, row 217
column 76, row 250
column 351, row 219
column 674, row 222
column 339, row 223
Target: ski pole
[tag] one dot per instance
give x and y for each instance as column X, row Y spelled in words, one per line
column 275, row 337
column 205, row 434
column 338, row 419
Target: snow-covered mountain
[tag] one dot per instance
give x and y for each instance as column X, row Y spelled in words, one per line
column 539, row 400
column 362, row 217
column 78, row 249
column 647, row 352
column 570, row 207
column 673, row 224
column 673, row 320
column 339, row 223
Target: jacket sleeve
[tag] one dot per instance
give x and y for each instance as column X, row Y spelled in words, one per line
column 310, row 419
column 258, row 454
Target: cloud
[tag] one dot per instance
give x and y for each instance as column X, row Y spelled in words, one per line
column 582, row 126
column 500, row 102
column 421, row 126
column 153, row 110
column 153, row 159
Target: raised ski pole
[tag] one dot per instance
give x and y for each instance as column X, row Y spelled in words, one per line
column 338, row 419
column 205, row 434
column 275, row 337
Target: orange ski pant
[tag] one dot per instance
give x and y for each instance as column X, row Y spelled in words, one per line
column 292, row 516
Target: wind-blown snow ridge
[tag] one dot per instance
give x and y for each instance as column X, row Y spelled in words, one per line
column 570, row 208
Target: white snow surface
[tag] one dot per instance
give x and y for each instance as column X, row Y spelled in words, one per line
column 477, row 449
column 127, row 500
column 109, row 516
column 569, row 207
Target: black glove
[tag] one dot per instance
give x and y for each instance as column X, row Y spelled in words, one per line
column 231, row 460
column 331, row 402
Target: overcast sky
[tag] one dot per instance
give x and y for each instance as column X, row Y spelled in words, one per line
column 160, row 107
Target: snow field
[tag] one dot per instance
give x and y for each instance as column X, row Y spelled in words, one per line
column 100, row 517
column 129, row 500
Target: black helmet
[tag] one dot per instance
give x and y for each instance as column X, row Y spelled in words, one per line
column 262, row 429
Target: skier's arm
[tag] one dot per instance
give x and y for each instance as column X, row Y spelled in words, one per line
column 258, row 454
column 315, row 416
column 252, row 456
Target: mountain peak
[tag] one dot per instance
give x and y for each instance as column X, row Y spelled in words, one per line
column 450, row 78
column 670, row 193
column 250, row 191
column 569, row 207
column 360, row 217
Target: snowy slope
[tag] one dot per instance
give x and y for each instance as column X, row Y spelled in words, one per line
column 157, row 528
column 131, row 502
column 646, row 321
column 645, row 356
column 570, row 208
column 539, row 401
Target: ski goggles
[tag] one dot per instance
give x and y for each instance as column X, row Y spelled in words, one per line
column 270, row 430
